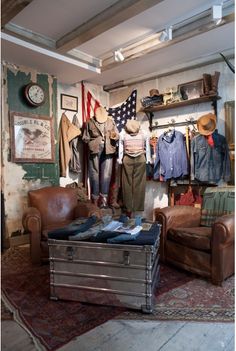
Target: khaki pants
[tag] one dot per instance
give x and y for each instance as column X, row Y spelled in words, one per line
column 134, row 182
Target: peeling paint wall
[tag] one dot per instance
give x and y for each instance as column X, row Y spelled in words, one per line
column 157, row 192
column 18, row 178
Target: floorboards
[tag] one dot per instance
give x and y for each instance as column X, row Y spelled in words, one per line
column 118, row 335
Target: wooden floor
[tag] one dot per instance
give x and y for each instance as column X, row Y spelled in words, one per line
column 134, row 336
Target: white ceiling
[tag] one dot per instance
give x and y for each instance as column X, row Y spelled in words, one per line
column 52, row 19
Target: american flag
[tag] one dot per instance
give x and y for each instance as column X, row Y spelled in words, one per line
column 89, row 104
column 125, row 111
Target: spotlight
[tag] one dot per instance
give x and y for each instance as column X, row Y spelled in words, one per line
column 217, row 14
column 118, row 56
column 166, row 34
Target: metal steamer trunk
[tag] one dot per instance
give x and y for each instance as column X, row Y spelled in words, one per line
column 107, row 274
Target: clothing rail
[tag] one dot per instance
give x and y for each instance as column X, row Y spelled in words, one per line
column 173, row 124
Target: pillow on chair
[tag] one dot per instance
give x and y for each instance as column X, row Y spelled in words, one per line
column 216, row 202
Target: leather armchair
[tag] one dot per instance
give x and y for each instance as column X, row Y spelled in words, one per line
column 207, row 251
column 51, row 208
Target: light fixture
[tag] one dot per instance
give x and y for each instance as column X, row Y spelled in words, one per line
column 118, row 56
column 217, row 14
column 166, row 34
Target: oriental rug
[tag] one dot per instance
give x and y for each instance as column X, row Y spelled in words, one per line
column 25, row 291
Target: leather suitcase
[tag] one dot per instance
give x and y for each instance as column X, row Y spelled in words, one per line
column 101, row 273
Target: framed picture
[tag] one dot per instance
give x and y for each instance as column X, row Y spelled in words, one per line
column 69, row 102
column 32, row 138
column 191, row 90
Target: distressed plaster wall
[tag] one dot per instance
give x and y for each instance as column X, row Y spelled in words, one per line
column 157, row 192
column 18, row 178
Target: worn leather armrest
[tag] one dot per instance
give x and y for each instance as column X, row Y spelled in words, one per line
column 178, row 216
column 32, row 223
column 31, row 213
column 223, row 230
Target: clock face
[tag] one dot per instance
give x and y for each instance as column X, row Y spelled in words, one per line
column 34, row 94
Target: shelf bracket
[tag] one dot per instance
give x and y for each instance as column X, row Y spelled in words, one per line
column 150, row 116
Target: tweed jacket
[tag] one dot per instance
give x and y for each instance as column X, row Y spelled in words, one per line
column 67, row 132
column 96, row 134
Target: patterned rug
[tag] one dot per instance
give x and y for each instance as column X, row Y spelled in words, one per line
column 25, row 292
column 194, row 300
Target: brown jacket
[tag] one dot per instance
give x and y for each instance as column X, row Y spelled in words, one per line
column 95, row 133
column 67, row 132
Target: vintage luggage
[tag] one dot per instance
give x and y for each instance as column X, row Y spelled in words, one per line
column 101, row 273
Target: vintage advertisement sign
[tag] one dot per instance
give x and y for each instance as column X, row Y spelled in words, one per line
column 32, row 138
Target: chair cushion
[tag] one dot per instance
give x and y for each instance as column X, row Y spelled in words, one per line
column 197, row 237
column 217, row 202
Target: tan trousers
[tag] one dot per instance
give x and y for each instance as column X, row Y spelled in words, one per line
column 134, row 182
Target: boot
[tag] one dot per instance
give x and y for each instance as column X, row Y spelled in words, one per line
column 94, row 200
column 214, row 83
column 113, row 196
column 103, row 201
column 206, row 83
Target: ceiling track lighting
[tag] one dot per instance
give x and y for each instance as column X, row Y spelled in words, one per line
column 217, row 14
column 118, row 56
column 166, row 35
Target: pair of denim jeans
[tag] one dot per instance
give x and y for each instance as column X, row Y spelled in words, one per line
column 100, row 169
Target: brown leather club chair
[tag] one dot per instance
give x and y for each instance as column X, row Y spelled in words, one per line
column 205, row 250
column 51, row 208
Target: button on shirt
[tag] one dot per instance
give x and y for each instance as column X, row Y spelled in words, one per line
column 171, row 156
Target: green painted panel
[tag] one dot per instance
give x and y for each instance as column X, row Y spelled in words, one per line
column 16, row 84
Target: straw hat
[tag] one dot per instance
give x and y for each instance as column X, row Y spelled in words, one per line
column 132, row 126
column 101, row 114
column 153, row 92
column 206, row 124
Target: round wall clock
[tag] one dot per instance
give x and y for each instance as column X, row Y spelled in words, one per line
column 34, row 94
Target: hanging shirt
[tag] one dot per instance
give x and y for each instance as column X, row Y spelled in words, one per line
column 210, row 164
column 75, row 164
column 171, row 156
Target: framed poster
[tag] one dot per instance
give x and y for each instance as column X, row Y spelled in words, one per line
column 191, row 90
column 69, row 102
column 32, row 138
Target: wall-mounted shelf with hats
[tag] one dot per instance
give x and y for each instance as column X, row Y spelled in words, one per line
column 207, row 98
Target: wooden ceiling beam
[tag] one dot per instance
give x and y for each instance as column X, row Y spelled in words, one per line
column 10, row 8
column 121, row 11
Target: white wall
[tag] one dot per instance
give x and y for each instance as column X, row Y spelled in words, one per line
column 157, row 192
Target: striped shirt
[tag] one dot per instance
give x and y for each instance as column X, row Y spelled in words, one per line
column 134, row 145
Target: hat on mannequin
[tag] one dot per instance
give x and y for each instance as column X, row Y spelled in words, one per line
column 132, row 126
column 101, row 115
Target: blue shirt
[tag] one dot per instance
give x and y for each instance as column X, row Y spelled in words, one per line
column 210, row 164
column 171, row 156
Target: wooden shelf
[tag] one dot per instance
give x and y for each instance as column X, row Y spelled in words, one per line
column 202, row 99
column 207, row 98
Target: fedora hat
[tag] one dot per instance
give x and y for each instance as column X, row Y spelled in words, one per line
column 101, row 115
column 206, row 124
column 132, row 126
column 153, row 92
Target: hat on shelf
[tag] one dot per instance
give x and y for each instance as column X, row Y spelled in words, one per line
column 153, row 92
column 101, row 115
column 132, row 126
column 206, row 124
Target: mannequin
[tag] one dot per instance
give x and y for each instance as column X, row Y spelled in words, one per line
column 101, row 135
column 134, row 153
